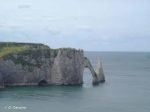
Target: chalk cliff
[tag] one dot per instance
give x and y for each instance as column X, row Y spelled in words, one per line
column 25, row 64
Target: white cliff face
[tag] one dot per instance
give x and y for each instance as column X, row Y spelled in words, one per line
column 22, row 75
column 37, row 64
column 68, row 67
column 100, row 72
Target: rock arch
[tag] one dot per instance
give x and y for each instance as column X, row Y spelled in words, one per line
column 97, row 76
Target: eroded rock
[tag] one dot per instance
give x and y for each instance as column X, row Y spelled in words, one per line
column 23, row 64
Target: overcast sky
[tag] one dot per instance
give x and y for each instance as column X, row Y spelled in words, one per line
column 93, row 25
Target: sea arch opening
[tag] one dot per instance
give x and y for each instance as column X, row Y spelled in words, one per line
column 43, row 82
column 87, row 64
column 87, row 77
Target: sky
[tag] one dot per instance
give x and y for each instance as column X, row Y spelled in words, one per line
column 92, row 25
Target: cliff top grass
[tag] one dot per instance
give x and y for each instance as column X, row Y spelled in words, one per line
column 29, row 54
column 23, row 53
column 7, row 49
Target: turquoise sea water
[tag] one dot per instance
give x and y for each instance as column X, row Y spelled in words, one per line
column 127, row 89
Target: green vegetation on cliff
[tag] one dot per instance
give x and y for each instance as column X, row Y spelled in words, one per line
column 24, row 54
column 29, row 54
column 6, row 51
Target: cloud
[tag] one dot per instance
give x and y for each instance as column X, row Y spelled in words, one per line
column 24, row 6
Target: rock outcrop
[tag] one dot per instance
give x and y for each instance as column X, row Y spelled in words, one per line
column 100, row 73
column 98, row 76
column 1, row 81
column 24, row 64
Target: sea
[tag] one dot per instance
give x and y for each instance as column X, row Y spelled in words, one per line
column 127, row 89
